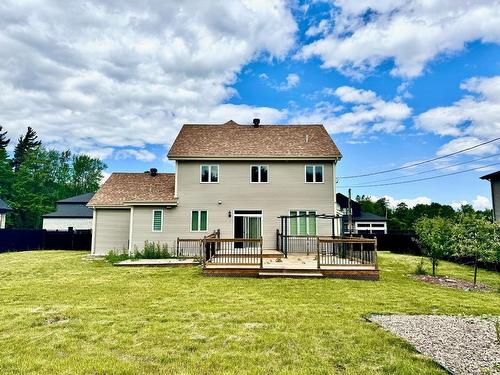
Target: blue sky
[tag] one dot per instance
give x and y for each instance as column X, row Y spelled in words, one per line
column 393, row 81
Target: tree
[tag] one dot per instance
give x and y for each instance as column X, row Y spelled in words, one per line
column 6, row 174
column 435, row 236
column 4, row 142
column 25, row 145
column 478, row 238
column 86, row 174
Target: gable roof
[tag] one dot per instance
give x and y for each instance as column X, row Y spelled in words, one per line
column 492, row 176
column 82, row 198
column 231, row 140
column 128, row 188
column 79, row 210
column 4, row 206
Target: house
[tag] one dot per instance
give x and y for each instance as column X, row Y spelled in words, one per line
column 494, row 179
column 239, row 179
column 362, row 222
column 70, row 213
column 4, row 209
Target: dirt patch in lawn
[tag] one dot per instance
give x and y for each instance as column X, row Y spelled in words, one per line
column 453, row 283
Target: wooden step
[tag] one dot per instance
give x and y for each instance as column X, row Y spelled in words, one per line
column 296, row 275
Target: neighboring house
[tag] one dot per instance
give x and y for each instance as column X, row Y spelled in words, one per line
column 494, row 179
column 70, row 213
column 232, row 177
column 362, row 222
column 4, row 208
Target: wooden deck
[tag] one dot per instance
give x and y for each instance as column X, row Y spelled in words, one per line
column 295, row 265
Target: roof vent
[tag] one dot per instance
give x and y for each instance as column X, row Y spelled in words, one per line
column 153, row 172
column 256, row 122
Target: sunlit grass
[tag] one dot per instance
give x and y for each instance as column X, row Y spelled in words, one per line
column 62, row 314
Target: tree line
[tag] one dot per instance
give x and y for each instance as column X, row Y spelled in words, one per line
column 34, row 178
column 403, row 218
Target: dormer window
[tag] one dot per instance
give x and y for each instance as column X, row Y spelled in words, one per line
column 209, row 174
column 314, row 174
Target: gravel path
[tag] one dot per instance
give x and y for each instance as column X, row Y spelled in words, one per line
column 464, row 345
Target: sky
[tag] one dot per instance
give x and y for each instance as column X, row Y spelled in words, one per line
column 394, row 82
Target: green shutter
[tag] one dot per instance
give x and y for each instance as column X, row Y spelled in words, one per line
column 194, row 220
column 203, row 221
column 293, row 223
column 157, row 216
column 312, row 224
column 302, row 223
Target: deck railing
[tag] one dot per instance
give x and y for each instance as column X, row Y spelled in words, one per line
column 346, row 251
column 289, row 244
column 188, row 247
column 233, row 251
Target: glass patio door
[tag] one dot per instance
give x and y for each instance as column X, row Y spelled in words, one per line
column 252, row 227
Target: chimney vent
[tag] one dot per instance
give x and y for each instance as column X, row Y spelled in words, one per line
column 153, row 172
column 256, row 122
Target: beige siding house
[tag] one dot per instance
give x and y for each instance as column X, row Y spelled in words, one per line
column 232, row 177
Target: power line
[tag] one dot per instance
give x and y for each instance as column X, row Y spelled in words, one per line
column 432, row 170
column 424, row 179
column 422, row 162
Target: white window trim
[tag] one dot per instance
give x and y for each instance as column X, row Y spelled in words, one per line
column 199, row 221
column 314, row 173
column 307, row 222
column 153, row 222
column 259, row 165
column 210, row 173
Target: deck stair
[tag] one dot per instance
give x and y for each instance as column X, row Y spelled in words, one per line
column 305, row 274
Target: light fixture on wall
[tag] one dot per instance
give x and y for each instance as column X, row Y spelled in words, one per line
column 220, row 202
column 228, row 213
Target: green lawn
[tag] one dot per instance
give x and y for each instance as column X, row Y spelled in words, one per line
column 62, row 314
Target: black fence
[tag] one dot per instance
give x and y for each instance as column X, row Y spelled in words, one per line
column 401, row 243
column 40, row 239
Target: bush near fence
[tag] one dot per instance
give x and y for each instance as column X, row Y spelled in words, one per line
column 41, row 239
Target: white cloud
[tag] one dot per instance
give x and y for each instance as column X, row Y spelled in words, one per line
column 410, row 202
column 480, row 203
column 365, row 33
column 101, row 75
column 367, row 113
column 292, row 80
column 471, row 120
column 320, row 29
column 143, row 155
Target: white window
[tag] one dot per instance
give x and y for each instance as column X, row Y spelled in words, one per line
column 259, row 173
column 314, row 173
column 303, row 223
column 157, row 220
column 209, row 174
column 199, row 221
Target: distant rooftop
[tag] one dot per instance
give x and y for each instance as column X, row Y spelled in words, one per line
column 491, row 176
column 4, row 206
column 83, row 198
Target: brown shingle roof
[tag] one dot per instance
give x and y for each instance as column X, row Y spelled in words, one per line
column 240, row 141
column 121, row 188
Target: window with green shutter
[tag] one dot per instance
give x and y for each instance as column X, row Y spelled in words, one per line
column 157, row 220
column 199, row 221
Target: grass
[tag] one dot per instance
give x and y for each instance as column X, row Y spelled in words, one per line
column 62, row 314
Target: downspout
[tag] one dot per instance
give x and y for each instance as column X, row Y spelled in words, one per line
column 334, row 174
column 131, row 226
column 175, row 178
column 94, row 224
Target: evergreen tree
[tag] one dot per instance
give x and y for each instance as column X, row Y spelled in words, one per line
column 25, row 145
column 3, row 139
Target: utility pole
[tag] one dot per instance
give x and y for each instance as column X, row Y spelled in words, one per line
column 349, row 213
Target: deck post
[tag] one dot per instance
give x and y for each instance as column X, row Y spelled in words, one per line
column 286, row 238
column 375, row 253
column 261, row 254
column 317, row 251
column 177, row 248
